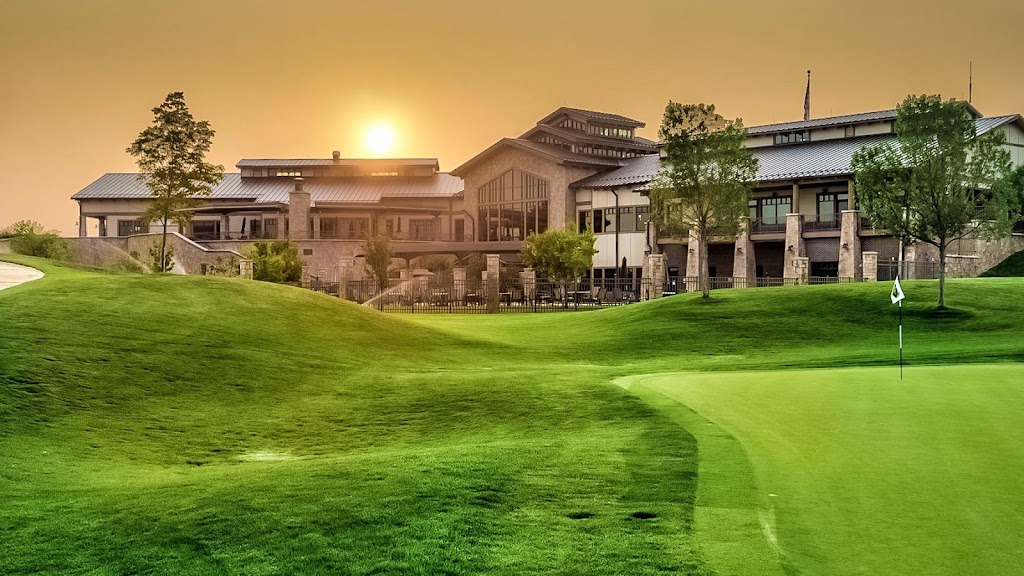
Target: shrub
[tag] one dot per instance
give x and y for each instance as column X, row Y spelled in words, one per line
column 126, row 264
column 276, row 261
column 28, row 238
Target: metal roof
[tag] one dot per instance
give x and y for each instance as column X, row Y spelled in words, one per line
column 360, row 189
column 637, row 170
column 593, row 115
column 576, row 136
column 862, row 118
column 286, row 162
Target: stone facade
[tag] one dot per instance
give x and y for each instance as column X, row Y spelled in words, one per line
column 794, row 247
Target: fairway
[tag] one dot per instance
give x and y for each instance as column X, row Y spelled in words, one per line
column 864, row 474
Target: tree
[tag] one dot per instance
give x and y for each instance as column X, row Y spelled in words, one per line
column 705, row 179
column 171, row 154
column 275, row 261
column 377, row 253
column 562, row 256
column 939, row 181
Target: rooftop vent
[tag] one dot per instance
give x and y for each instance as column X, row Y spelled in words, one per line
column 336, row 155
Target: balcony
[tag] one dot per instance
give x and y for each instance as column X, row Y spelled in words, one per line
column 822, row 223
column 768, row 225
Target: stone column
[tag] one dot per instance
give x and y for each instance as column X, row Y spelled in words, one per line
column 305, row 274
column 345, row 266
column 245, row 269
column 459, row 281
column 870, row 260
column 225, row 227
column 794, row 244
column 796, row 198
column 528, row 278
column 316, row 225
column 692, row 263
column 800, row 265
column 849, row 245
column 656, row 271
column 83, row 224
column 493, row 288
column 744, row 267
column 298, row 212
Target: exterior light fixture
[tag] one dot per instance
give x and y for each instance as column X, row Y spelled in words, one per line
column 790, row 249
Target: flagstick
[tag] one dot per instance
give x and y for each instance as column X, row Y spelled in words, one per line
column 901, row 340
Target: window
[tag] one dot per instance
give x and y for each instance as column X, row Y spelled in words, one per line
column 627, row 222
column 831, row 204
column 792, row 137
column 586, row 219
column 129, row 227
column 295, row 173
column 389, row 173
column 425, row 229
column 643, row 216
column 204, row 229
column 609, row 220
column 512, row 206
column 771, row 210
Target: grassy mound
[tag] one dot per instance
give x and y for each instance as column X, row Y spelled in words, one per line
column 1013, row 266
column 161, row 424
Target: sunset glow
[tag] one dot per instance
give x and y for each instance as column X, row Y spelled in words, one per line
column 380, row 139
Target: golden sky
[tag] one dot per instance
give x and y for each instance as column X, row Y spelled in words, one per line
column 300, row 78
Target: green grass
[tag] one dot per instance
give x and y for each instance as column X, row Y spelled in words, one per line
column 1012, row 266
column 865, row 474
column 162, row 424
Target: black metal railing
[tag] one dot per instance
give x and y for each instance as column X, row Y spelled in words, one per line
column 767, row 225
column 887, row 271
column 822, row 222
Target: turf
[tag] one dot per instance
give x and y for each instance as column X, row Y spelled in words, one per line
column 1013, row 266
column 867, row 474
column 160, row 424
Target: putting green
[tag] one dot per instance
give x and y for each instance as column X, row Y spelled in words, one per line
column 857, row 472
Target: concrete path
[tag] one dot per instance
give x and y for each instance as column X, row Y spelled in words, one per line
column 14, row 274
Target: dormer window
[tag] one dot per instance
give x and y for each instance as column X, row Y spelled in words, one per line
column 289, row 173
column 792, row 137
column 389, row 173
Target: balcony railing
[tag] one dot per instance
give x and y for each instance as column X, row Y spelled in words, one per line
column 822, row 222
column 767, row 225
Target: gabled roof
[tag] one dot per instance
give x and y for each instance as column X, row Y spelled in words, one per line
column 289, row 162
column 551, row 152
column 637, row 170
column 359, row 189
column 575, row 136
column 592, row 115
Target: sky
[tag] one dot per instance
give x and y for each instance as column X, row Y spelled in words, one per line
column 301, row 78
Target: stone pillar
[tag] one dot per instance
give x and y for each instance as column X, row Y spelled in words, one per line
column 316, row 225
column 796, row 198
column 345, row 267
column 225, row 227
column 744, row 267
column 849, row 245
column 83, row 224
column 692, row 281
column 305, row 274
column 656, row 271
column 245, row 269
column 800, row 266
column 528, row 278
column 794, row 244
column 870, row 260
column 459, row 281
column 493, row 288
column 298, row 212
column 404, row 275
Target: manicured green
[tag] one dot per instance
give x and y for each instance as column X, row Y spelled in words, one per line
column 166, row 424
column 1013, row 266
column 864, row 474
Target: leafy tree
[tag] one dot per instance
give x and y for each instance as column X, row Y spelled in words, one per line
column 705, row 179
column 939, row 181
column 378, row 256
column 28, row 237
column 276, row 261
column 562, row 256
column 171, row 154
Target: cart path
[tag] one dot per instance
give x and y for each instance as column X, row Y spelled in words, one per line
column 14, row 274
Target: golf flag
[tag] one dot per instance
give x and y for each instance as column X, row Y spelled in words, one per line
column 897, row 292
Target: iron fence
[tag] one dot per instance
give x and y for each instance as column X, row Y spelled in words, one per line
column 887, row 271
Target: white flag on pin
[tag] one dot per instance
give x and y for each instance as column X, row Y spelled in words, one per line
column 897, row 291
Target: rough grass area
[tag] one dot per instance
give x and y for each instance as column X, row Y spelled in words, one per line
column 1013, row 266
column 165, row 424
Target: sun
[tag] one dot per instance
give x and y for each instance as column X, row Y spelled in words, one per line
column 380, row 139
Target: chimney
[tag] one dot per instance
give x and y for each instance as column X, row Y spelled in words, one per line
column 336, row 156
column 298, row 212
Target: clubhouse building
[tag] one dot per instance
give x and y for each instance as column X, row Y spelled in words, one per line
column 574, row 168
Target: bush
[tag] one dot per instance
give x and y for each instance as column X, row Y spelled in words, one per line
column 275, row 261
column 126, row 264
column 28, row 238
column 228, row 267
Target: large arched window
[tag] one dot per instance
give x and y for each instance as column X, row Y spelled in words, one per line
column 512, row 206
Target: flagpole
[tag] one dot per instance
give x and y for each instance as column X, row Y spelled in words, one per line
column 901, row 340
